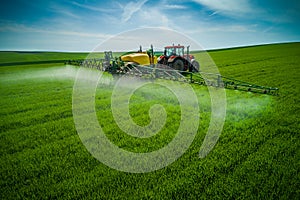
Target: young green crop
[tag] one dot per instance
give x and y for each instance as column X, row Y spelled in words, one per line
column 256, row 157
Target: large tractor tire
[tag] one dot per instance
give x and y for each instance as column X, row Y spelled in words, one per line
column 178, row 65
column 196, row 66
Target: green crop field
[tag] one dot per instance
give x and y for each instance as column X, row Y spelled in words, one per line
column 256, row 157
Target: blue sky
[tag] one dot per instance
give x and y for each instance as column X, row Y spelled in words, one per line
column 79, row 25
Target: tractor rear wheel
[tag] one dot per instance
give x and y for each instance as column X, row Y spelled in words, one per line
column 178, row 65
column 196, row 66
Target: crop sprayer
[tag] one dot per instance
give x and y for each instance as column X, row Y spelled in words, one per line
column 173, row 64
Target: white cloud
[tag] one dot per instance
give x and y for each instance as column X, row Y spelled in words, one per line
column 130, row 8
column 214, row 13
column 63, row 11
column 207, row 28
column 174, row 6
column 231, row 7
column 20, row 28
column 93, row 8
column 154, row 17
column 158, row 37
column 268, row 29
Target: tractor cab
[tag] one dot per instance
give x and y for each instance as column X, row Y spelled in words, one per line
column 174, row 51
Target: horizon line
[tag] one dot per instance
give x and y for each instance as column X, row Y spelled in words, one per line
column 209, row 49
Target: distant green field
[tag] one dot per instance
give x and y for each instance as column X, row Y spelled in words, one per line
column 7, row 56
column 256, row 157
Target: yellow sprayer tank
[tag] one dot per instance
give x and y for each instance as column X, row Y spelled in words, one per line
column 139, row 58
